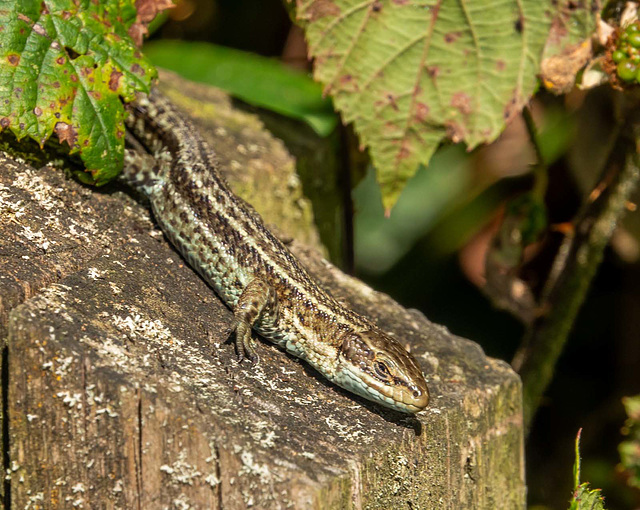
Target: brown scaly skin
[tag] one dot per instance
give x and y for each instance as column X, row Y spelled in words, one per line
column 226, row 242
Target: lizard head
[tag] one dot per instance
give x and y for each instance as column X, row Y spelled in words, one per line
column 376, row 367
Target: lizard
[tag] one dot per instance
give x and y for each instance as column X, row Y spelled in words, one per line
column 225, row 240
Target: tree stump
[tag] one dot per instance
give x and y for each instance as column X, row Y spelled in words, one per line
column 120, row 391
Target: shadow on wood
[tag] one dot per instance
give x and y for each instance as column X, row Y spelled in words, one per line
column 120, row 391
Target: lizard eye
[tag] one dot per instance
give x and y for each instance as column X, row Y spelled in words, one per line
column 381, row 370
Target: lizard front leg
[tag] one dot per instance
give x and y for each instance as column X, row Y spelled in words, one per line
column 258, row 302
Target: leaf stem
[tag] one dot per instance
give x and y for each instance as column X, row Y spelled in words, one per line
column 533, row 133
column 576, row 467
column 541, row 178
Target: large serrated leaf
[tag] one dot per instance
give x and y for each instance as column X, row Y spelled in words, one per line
column 64, row 65
column 411, row 73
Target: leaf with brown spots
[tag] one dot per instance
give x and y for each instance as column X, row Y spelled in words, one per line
column 568, row 47
column 412, row 73
column 64, row 67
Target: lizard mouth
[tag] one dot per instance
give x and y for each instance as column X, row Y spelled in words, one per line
column 416, row 397
column 411, row 398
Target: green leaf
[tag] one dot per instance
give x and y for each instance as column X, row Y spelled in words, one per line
column 587, row 499
column 630, row 449
column 411, row 74
column 259, row 81
column 584, row 498
column 64, row 65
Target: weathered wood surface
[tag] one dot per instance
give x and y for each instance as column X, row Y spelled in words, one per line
column 120, row 390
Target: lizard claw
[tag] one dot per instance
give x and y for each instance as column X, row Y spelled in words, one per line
column 245, row 347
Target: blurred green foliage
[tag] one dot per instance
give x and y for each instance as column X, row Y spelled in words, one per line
column 380, row 242
column 630, row 449
column 259, row 81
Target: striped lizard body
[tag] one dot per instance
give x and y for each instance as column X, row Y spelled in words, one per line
column 267, row 288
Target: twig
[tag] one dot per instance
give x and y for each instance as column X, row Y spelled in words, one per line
column 581, row 254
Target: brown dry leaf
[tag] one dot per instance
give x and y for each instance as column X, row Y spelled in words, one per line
column 147, row 11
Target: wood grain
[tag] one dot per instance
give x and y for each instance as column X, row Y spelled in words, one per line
column 121, row 392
